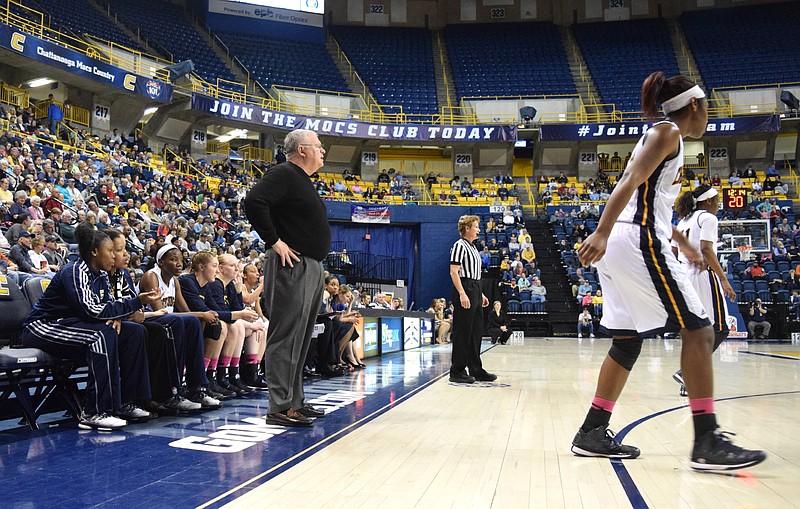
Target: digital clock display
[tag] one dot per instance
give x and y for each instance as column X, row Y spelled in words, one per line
column 734, row 198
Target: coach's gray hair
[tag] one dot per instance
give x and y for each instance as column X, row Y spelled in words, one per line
column 294, row 139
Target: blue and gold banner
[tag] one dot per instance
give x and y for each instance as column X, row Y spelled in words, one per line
column 349, row 128
column 81, row 65
column 635, row 129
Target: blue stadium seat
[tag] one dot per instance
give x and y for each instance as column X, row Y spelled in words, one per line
column 513, row 306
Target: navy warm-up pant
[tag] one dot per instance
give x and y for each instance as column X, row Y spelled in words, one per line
column 117, row 362
column 186, row 334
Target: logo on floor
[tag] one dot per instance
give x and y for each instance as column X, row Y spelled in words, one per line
column 238, row 437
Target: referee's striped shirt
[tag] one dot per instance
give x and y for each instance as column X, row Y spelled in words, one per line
column 467, row 257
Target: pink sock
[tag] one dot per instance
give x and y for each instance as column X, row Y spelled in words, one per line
column 206, row 362
column 603, row 404
column 234, row 362
column 250, row 358
column 224, row 361
column 702, row 406
column 212, row 364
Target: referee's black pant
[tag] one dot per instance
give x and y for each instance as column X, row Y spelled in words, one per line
column 467, row 329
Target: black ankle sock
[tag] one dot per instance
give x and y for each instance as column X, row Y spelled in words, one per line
column 594, row 418
column 703, row 423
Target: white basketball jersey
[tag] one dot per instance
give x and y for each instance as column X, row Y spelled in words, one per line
column 699, row 226
column 651, row 203
column 167, row 290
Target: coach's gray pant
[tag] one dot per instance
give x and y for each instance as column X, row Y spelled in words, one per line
column 293, row 297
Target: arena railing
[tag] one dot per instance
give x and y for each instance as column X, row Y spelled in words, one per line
column 72, row 113
column 14, row 96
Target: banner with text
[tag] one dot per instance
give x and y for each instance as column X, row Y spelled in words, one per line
column 81, row 65
column 406, row 132
column 369, row 214
column 634, row 129
column 265, row 13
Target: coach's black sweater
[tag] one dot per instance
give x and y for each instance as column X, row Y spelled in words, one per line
column 284, row 205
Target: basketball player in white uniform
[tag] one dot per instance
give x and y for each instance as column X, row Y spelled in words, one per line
column 646, row 289
column 697, row 211
column 190, row 356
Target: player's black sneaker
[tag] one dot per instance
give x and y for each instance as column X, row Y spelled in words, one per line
column 600, row 443
column 678, row 377
column 715, row 451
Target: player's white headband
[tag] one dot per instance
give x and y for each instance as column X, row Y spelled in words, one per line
column 706, row 196
column 166, row 248
column 682, row 99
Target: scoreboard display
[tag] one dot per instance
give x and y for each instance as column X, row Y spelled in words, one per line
column 734, row 198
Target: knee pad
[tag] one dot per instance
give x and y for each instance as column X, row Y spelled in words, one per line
column 625, row 351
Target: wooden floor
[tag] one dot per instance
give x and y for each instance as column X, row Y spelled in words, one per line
column 506, row 445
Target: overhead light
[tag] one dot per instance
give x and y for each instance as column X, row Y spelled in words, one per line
column 40, row 82
column 150, row 111
column 235, row 133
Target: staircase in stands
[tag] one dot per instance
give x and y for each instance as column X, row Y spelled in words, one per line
column 683, row 53
column 561, row 305
column 581, row 76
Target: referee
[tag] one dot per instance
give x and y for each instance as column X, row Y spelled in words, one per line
column 465, row 271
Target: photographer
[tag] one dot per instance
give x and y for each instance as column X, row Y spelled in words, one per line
column 758, row 317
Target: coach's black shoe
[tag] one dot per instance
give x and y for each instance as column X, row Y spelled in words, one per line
column 309, row 411
column 715, row 451
column 289, row 418
column 462, row 378
column 484, row 376
column 600, row 443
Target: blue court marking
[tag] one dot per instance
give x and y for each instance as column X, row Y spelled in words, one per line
column 773, row 355
column 634, row 495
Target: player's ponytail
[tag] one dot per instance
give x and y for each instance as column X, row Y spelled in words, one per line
column 656, row 89
column 89, row 239
column 684, row 205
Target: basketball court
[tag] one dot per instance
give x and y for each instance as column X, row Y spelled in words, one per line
column 399, row 435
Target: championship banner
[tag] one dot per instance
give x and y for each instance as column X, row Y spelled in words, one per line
column 633, row 130
column 79, row 64
column 256, row 115
column 369, row 214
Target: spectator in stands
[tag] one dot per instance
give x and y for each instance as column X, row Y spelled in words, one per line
column 597, row 302
column 78, row 303
column 758, row 314
column 380, row 302
column 749, row 172
column 779, row 252
column 735, row 177
column 584, row 288
column 38, row 259
column 585, row 324
column 486, row 259
column 756, row 272
column 538, row 291
column 6, row 196
column 22, row 223
column 715, row 180
column 20, row 255
column 499, row 327
column 528, row 254
column 18, row 207
column 794, row 302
